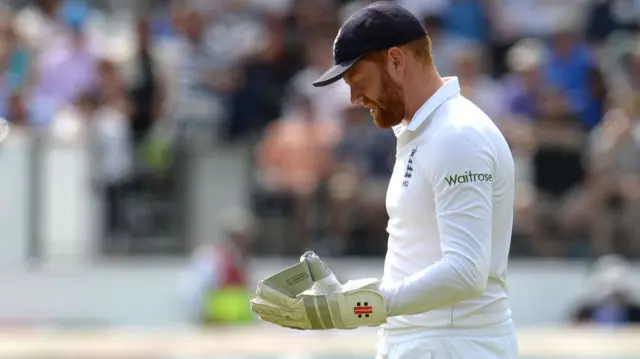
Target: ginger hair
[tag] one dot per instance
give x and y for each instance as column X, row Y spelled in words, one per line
column 420, row 49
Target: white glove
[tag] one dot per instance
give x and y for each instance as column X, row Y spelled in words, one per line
column 327, row 305
column 324, row 281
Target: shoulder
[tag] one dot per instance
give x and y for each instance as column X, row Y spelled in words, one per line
column 461, row 127
column 461, row 138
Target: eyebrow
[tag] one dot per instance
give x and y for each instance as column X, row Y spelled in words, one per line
column 353, row 74
column 347, row 77
column 352, row 77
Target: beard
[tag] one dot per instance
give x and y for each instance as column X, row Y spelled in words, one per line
column 389, row 109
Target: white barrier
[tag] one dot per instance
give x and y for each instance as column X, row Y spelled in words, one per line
column 140, row 292
column 276, row 342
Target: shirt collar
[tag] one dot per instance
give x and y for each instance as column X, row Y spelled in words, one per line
column 450, row 88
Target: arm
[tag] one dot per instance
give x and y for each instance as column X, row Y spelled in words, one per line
column 464, row 217
column 266, row 152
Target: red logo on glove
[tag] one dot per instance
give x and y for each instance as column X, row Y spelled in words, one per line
column 361, row 310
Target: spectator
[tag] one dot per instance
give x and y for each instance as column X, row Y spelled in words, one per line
column 293, row 159
column 568, row 69
column 65, row 69
column 602, row 21
column 39, row 24
column 112, row 142
column 146, row 90
column 511, row 21
column 467, row 19
column 612, row 302
column 16, row 58
column 425, row 8
column 627, row 14
column 633, row 66
column 246, row 67
column 205, row 77
column 15, row 72
column 443, row 45
column 327, row 102
column 214, row 286
column 558, row 179
column 358, row 186
column 478, row 87
column 17, row 113
column 265, row 75
column 615, row 150
column 524, row 84
column 315, row 17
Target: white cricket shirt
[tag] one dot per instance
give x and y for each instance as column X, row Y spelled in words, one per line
column 450, row 201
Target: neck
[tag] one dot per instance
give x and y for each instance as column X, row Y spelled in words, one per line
column 420, row 89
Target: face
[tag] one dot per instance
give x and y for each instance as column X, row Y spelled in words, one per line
column 193, row 24
column 531, row 77
column 373, row 87
column 553, row 105
column 143, row 31
column 467, row 67
column 563, row 43
column 241, row 240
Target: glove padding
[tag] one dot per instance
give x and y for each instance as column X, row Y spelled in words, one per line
column 326, row 305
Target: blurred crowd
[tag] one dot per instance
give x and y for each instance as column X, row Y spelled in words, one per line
column 139, row 79
column 561, row 79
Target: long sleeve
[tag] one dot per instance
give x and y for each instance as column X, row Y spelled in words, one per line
column 461, row 173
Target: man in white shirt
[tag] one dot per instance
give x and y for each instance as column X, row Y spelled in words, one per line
column 450, row 202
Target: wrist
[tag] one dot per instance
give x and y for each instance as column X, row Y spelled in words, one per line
column 389, row 292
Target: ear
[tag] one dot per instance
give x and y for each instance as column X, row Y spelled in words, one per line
column 396, row 62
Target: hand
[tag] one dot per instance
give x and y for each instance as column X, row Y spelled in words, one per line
column 616, row 125
column 357, row 304
column 326, row 305
column 324, row 281
column 629, row 188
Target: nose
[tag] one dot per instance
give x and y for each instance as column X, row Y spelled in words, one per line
column 356, row 99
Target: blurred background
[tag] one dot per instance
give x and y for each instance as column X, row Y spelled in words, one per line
column 164, row 156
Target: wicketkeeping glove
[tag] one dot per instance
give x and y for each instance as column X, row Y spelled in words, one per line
column 326, row 305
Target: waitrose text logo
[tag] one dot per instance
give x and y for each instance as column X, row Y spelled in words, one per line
column 468, row 177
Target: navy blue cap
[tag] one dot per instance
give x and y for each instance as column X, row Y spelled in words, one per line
column 378, row 26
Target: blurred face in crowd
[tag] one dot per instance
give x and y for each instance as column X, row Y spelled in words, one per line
column 553, row 105
column 319, row 53
column 143, row 32
column 192, row 24
column 242, row 240
column 564, row 42
column 309, row 13
column 110, row 80
column 7, row 32
column 467, row 64
column 17, row 110
column 49, row 7
column 532, row 78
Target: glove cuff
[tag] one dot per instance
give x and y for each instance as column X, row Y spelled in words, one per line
column 357, row 308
